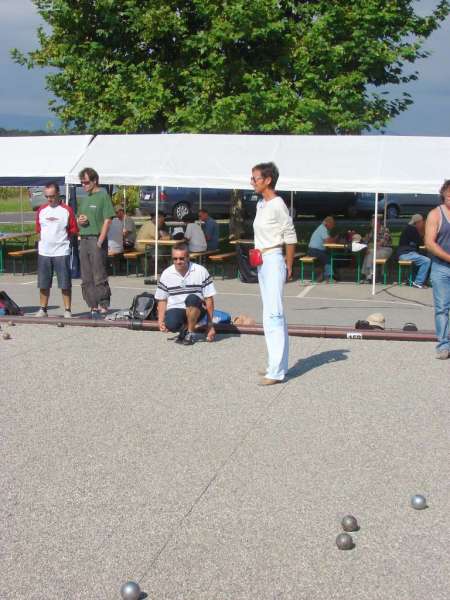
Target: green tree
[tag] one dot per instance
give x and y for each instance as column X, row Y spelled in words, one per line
column 279, row 66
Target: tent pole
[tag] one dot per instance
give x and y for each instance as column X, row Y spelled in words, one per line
column 21, row 207
column 67, row 194
column 375, row 234
column 385, row 210
column 200, row 198
column 292, row 205
column 156, row 232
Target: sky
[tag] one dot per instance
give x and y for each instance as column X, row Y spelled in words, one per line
column 24, row 99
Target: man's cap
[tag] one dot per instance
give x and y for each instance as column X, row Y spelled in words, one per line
column 410, row 327
column 415, row 219
column 376, row 320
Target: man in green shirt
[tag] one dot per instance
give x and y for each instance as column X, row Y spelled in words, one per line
column 95, row 212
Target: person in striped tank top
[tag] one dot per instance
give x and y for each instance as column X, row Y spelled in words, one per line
column 437, row 240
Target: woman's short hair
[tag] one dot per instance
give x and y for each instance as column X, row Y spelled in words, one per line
column 445, row 186
column 268, row 169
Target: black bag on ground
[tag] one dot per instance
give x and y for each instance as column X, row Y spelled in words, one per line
column 11, row 308
column 246, row 273
column 144, row 307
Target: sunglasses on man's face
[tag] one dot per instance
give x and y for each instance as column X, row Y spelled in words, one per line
column 85, row 182
column 183, row 258
column 51, row 197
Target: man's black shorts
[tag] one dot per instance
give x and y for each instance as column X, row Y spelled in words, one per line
column 47, row 265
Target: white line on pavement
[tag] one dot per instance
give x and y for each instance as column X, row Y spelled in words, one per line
column 305, row 291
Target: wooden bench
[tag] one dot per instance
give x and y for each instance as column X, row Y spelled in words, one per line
column 134, row 255
column 406, row 264
column 200, row 255
column 308, row 260
column 114, row 259
column 21, row 255
column 219, row 260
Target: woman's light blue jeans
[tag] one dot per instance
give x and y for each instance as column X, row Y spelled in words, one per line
column 440, row 279
column 272, row 276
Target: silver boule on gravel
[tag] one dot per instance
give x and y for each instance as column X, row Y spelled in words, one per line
column 349, row 523
column 59, row 324
column 344, row 541
column 130, row 591
column 6, row 336
column 419, row 502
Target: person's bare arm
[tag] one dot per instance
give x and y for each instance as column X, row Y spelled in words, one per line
column 290, row 252
column 104, row 231
column 431, row 232
column 209, row 303
column 162, row 307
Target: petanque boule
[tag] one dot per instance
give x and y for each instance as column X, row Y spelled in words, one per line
column 59, row 324
column 349, row 523
column 130, row 591
column 344, row 541
column 6, row 336
column 419, row 502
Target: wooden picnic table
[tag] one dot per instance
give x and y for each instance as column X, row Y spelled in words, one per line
column 339, row 250
column 164, row 243
column 19, row 235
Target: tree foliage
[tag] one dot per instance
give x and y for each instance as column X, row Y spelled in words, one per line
column 279, row 66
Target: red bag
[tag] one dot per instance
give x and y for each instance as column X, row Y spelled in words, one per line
column 255, row 258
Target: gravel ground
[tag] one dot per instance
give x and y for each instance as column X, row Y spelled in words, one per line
column 124, row 455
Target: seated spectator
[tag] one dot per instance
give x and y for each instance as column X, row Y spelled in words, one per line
column 129, row 229
column 210, row 229
column 148, row 229
column 384, row 247
column 115, row 236
column 185, row 294
column 316, row 247
column 408, row 249
column 194, row 235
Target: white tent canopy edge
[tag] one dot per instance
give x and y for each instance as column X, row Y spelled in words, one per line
column 393, row 164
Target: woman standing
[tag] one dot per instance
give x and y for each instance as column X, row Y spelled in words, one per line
column 273, row 229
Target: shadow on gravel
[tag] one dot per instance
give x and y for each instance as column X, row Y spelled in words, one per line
column 28, row 310
column 304, row 365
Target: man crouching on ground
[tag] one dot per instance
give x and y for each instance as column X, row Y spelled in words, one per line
column 185, row 293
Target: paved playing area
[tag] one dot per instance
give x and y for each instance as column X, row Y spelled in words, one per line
column 124, row 455
column 323, row 304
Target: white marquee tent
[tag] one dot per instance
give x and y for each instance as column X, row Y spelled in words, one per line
column 31, row 160
column 316, row 163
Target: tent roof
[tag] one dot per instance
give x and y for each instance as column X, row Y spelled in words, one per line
column 33, row 160
column 318, row 163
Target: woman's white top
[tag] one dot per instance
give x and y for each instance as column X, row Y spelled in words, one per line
column 272, row 225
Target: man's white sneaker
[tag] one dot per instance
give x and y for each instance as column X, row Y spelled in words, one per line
column 418, row 285
column 67, row 314
column 41, row 313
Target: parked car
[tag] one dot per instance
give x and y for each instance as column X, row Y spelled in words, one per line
column 318, row 204
column 178, row 201
column 36, row 194
column 397, row 204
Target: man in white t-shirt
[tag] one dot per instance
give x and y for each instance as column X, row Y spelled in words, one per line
column 185, row 294
column 55, row 222
column 194, row 235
